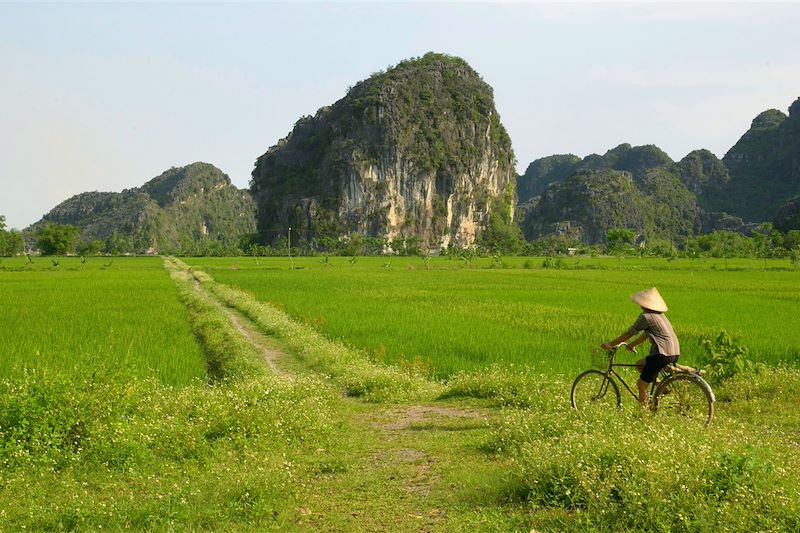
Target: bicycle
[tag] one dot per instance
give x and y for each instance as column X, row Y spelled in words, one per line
column 681, row 391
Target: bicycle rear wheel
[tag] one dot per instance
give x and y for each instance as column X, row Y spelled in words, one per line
column 594, row 395
column 685, row 396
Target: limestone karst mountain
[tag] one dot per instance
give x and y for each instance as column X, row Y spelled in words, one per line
column 638, row 187
column 764, row 166
column 700, row 193
column 184, row 210
column 416, row 152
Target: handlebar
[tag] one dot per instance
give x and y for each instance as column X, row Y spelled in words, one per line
column 618, row 346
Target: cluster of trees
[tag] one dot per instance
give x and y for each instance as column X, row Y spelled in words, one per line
column 764, row 242
column 11, row 242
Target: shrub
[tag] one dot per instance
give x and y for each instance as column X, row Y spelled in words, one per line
column 723, row 357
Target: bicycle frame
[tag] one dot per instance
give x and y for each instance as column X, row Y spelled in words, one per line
column 611, row 372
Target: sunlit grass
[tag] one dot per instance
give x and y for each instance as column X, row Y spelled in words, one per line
column 122, row 313
column 452, row 316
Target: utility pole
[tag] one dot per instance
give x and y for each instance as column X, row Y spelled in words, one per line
column 289, row 248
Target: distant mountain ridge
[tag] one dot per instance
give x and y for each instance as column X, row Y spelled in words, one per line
column 180, row 211
column 700, row 193
column 764, row 166
column 418, row 154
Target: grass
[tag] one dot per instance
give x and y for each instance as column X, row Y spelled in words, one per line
column 117, row 454
column 121, row 312
column 115, row 450
column 350, row 368
column 251, row 451
column 449, row 318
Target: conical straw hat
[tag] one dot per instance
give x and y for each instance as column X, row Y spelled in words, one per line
column 650, row 299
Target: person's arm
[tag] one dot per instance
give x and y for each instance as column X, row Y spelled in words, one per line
column 637, row 342
column 622, row 338
column 637, row 326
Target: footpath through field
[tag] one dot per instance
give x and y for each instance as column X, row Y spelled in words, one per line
column 245, row 327
column 396, row 466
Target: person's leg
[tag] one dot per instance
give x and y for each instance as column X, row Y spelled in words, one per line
column 643, row 385
column 651, row 365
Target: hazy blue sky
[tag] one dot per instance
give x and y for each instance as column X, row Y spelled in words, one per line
column 106, row 96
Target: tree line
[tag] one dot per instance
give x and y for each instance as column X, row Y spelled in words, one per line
column 765, row 241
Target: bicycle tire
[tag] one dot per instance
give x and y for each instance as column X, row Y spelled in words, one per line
column 594, row 394
column 687, row 396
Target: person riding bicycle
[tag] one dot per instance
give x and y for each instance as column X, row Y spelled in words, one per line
column 665, row 347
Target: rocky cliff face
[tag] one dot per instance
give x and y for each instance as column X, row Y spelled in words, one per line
column 764, row 166
column 415, row 152
column 174, row 212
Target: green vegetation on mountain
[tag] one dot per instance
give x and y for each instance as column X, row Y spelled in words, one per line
column 764, row 166
column 414, row 152
column 543, row 172
column 686, row 198
column 639, row 188
column 674, row 208
column 703, row 174
column 502, row 234
column 698, row 194
column 788, row 217
column 192, row 209
column 587, row 204
column 634, row 159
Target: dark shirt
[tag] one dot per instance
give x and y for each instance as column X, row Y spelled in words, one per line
column 659, row 331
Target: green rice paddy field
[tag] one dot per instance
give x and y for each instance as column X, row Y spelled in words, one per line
column 121, row 314
column 447, row 315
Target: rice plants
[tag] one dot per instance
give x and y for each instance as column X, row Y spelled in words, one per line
column 451, row 316
column 79, row 315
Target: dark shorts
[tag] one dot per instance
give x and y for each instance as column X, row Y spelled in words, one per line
column 653, row 364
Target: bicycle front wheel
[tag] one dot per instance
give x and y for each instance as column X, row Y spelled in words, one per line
column 594, row 395
column 685, row 396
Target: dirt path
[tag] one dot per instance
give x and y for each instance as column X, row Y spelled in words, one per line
column 407, row 468
column 249, row 331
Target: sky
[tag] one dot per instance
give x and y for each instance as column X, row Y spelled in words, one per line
column 103, row 97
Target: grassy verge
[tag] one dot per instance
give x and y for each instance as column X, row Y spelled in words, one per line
column 119, row 452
